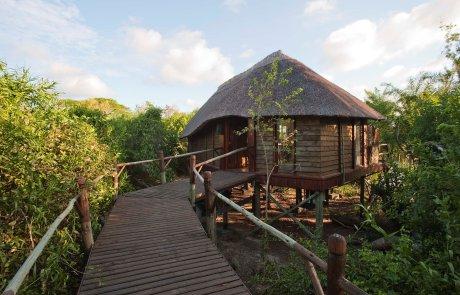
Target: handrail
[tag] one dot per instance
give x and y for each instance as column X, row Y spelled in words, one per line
column 17, row 280
column 165, row 158
column 311, row 258
column 290, row 242
column 221, row 156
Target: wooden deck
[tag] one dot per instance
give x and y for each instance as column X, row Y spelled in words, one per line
column 153, row 243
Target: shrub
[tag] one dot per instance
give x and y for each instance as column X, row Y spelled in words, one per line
column 43, row 151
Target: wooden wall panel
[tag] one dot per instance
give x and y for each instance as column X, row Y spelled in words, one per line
column 308, row 145
column 329, row 146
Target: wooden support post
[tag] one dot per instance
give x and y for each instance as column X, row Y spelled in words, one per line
column 115, row 177
column 83, row 210
column 256, row 199
column 337, row 246
column 298, row 199
column 161, row 162
column 251, row 145
column 192, row 180
column 210, row 201
column 267, row 199
column 319, row 214
column 362, row 181
column 225, row 210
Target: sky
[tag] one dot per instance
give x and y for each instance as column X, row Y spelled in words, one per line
column 176, row 53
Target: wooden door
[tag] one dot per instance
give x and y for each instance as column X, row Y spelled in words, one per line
column 234, row 141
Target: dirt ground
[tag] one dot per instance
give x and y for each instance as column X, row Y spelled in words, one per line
column 243, row 249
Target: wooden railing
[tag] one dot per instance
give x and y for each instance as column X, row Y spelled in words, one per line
column 81, row 203
column 334, row 267
column 337, row 245
column 163, row 163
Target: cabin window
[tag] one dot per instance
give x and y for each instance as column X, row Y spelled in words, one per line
column 219, row 129
column 286, row 141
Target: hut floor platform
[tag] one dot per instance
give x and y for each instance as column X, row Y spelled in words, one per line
column 153, row 243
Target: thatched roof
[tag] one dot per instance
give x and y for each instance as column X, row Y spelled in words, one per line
column 319, row 97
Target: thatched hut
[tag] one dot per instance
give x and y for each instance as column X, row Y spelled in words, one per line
column 334, row 143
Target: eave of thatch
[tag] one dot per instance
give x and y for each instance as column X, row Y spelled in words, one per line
column 320, row 97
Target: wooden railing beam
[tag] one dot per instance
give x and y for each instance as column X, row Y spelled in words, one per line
column 15, row 283
column 221, row 156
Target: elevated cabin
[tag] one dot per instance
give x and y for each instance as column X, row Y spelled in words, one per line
column 321, row 140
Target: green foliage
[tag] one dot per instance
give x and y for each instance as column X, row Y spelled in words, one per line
column 291, row 278
column 285, row 279
column 348, row 190
column 135, row 136
column 43, row 150
column 109, row 118
column 420, row 190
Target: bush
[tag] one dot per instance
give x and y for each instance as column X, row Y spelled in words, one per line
column 43, row 150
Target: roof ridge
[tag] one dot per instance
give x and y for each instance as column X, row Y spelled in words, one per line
column 265, row 61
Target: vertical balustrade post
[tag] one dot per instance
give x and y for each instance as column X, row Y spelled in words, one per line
column 319, row 214
column 337, row 246
column 83, row 210
column 362, row 188
column 115, row 179
column 210, row 201
column 161, row 163
column 192, row 180
column 256, row 199
column 298, row 199
column 225, row 210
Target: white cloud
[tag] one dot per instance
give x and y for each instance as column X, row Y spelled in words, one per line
column 353, row 46
column 247, row 53
column 56, row 22
column 394, row 71
column 191, row 103
column 365, row 42
column 358, row 90
column 318, row 6
column 183, row 57
column 234, row 5
column 45, row 34
column 399, row 74
column 76, row 83
column 143, row 40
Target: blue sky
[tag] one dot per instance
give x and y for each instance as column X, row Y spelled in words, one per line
column 177, row 52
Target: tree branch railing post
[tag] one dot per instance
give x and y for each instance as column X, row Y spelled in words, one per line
column 256, row 199
column 161, row 162
column 337, row 247
column 192, row 180
column 210, row 201
column 115, row 177
column 85, row 217
column 319, row 200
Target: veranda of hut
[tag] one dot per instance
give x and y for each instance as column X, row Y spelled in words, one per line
column 306, row 152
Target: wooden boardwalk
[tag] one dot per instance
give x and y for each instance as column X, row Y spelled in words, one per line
column 153, row 243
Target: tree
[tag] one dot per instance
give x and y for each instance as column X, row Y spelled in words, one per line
column 263, row 91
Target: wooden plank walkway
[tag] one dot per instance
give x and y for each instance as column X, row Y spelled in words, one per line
column 153, row 243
